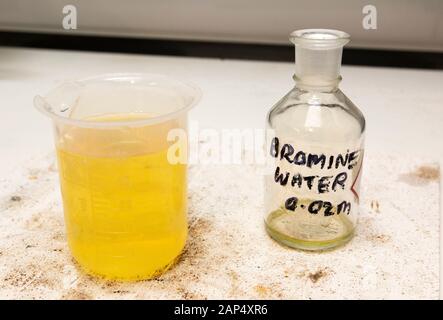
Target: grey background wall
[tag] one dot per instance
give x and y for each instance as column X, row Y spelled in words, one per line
column 402, row 24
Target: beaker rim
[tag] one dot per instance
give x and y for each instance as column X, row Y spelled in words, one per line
column 194, row 92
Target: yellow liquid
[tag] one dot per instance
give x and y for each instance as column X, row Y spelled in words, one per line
column 125, row 207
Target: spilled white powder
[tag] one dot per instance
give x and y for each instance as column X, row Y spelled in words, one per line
column 395, row 253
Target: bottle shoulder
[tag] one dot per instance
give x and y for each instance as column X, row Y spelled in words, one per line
column 317, row 115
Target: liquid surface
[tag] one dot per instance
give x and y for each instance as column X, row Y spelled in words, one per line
column 124, row 203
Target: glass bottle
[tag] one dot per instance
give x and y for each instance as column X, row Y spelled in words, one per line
column 316, row 148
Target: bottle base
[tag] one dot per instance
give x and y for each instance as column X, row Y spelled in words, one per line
column 309, row 245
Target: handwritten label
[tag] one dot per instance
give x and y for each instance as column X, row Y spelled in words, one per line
column 341, row 164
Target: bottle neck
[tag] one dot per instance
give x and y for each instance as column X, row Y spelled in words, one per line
column 307, row 86
column 318, row 69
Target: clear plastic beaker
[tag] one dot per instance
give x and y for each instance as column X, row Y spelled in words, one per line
column 125, row 201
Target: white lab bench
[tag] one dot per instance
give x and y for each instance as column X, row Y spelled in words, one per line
column 403, row 107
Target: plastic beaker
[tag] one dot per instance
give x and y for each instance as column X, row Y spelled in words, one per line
column 125, row 202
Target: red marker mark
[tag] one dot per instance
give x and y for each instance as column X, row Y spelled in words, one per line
column 355, row 182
